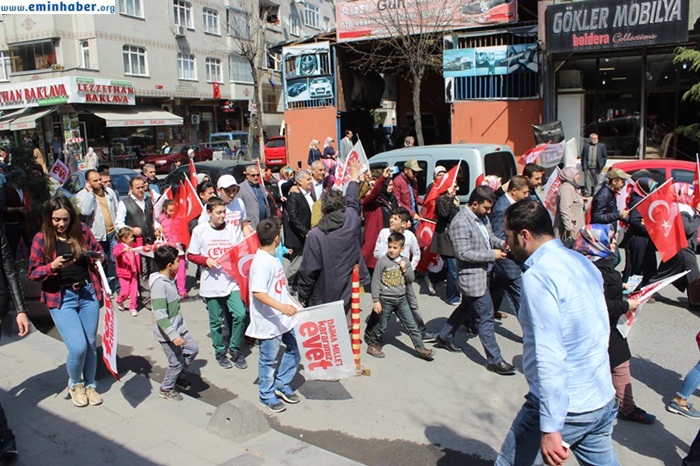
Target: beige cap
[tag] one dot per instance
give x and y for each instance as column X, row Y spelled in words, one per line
column 413, row 165
column 616, row 173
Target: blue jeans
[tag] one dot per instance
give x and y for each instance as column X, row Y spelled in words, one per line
column 452, row 292
column 110, row 270
column 482, row 306
column 403, row 311
column 690, row 383
column 76, row 321
column 589, row 435
column 268, row 382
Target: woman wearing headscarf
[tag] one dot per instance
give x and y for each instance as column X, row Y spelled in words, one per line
column 685, row 258
column 570, row 216
column 640, row 252
column 377, row 206
column 314, row 152
column 91, row 159
column 597, row 243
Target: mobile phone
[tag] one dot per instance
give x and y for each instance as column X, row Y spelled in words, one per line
column 394, row 170
column 91, row 254
column 299, row 163
column 67, row 256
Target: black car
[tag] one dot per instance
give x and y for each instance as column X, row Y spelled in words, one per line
column 214, row 168
column 296, row 89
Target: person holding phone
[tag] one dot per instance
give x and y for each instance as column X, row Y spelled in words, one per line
column 62, row 258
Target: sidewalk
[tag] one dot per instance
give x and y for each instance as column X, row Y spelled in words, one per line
column 133, row 426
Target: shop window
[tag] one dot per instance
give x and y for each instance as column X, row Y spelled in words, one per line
column 34, row 56
column 186, row 67
column 238, row 23
column 85, row 54
column 5, row 67
column 213, row 70
column 134, row 60
column 131, row 8
column 183, row 14
column 312, row 16
column 211, row 21
column 294, row 25
column 239, row 70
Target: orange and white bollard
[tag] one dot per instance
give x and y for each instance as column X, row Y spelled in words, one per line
column 355, row 329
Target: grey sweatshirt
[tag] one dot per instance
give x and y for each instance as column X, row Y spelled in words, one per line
column 165, row 303
column 387, row 281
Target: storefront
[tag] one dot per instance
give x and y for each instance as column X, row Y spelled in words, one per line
column 611, row 72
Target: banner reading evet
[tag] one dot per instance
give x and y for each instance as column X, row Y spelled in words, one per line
column 53, row 7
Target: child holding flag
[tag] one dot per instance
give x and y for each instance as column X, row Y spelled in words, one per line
column 271, row 321
column 127, row 266
column 166, row 222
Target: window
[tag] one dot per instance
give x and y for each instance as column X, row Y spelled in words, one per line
column 294, row 25
column 186, row 67
column 131, row 8
column 311, row 16
column 34, row 56
column 134, row 60
column 238, row 24
column 5, row 66
column 273, row 60
column 213, row 69
column 211, row 21
column 239, row 69
column 499, row 164
column 270, row 100
column 183, row 14
column 85, row 54
column 462, row 181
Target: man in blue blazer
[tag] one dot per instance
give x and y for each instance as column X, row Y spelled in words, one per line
column 594, row 155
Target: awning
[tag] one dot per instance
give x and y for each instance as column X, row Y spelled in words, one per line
column 28, row 121
column 134, row 116
column 8, row 116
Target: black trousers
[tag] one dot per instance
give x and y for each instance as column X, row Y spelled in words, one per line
column 693, row 458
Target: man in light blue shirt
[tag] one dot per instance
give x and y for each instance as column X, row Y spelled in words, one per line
column 571, row 404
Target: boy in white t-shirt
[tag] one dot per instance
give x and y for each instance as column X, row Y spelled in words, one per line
column 210, row 242
column 271, row 321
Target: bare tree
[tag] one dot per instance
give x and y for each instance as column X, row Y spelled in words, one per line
column 412, row 43
column 247, row 30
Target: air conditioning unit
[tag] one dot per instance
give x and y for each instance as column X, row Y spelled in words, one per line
column 180, row 30
column 195, row 118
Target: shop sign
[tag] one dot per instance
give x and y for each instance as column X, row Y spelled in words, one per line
column 48, row 92
column 372, row 19
column 604, row 25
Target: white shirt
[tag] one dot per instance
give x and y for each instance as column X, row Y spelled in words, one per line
column 309, row 199
column 235, row 215
column 410, row 251
column 318, row 188
column 267, row 276
column 120, row 221
column 212, row 243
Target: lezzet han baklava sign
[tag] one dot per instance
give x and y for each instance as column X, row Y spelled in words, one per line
column 603, row 25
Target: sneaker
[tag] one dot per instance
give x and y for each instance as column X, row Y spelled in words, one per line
column 687, row 410
column 273, row 405
column 134, row 312
column 425, row 353
column 93, row 397
column 431, row 287
column 455, row 303
column 637, row 415
column 120, row 306
column 170, row 395
column 291, row 398
column 184, row 295
column 77, row 393
column 182, row 383
column 224, row 362
column 238, row 359
column 375, row 351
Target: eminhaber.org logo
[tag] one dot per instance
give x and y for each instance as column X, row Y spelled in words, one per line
column 53, row 7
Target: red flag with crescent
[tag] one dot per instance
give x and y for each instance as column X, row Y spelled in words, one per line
column 237, row 262
column 187, row 207
column 696, row 184
column 663, row 221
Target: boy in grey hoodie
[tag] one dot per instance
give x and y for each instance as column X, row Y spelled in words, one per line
column 169, row 325
column 391, row 275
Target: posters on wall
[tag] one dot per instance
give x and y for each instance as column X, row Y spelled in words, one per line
column 491, row 61
column 307, row 72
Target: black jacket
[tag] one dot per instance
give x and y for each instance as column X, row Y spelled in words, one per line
column 9, row 279
column 445, row 210
column 636, row 227
column 618, row 349
column 604, row 209
column 297, row 221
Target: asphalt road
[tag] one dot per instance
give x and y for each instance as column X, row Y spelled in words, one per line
column 449, row 411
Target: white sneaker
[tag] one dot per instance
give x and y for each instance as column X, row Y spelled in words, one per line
column 431, row 288
column 78, row 395
column 134, row 312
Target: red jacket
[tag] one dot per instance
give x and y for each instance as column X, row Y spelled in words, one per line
column 127, row 262
column 372, row 211
column 401, row 187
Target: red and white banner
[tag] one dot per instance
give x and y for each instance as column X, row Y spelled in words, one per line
column 158, row 206
column 342, row 171
column 148, row 249
column 662, row 218
column 533, row 154
column 109, row 330
column 624, row 323
column 237, row 261
column 324, row 342
column 59, row 171
column 551, row 192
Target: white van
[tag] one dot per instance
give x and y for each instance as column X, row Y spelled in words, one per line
column 477, row 159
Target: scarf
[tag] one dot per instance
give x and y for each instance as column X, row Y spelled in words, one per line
column 593, row 241
column 644, row 186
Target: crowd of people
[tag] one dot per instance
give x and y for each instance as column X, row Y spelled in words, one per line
column 502, row 244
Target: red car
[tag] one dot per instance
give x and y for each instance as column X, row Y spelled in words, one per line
column 275, row 152
column 660, row 170
column 164, row 161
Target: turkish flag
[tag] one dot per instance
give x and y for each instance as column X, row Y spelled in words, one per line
column 237, row 261
column 158, row 206
column 533, row 154
column 187, row 207
column 193, row 173
column 445, row 182
column 663, row 221
column 217, row 90
column 696, row 184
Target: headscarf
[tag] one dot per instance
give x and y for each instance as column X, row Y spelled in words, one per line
column 684, row 197
column 593, row 241
column 492, row 181
column 385, row 195
column 90, row 152
column 314, row 144
column 645, row 186
column 327, row 142
column 568, row 174
column 200, row 177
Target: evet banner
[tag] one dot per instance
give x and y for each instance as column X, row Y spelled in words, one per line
column 324, row 342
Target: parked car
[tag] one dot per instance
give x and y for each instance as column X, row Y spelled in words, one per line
column 660, row 170
column 164, row 161
column 214, row 168
column 121, row 177
column 276, row 152
column 239, row 138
